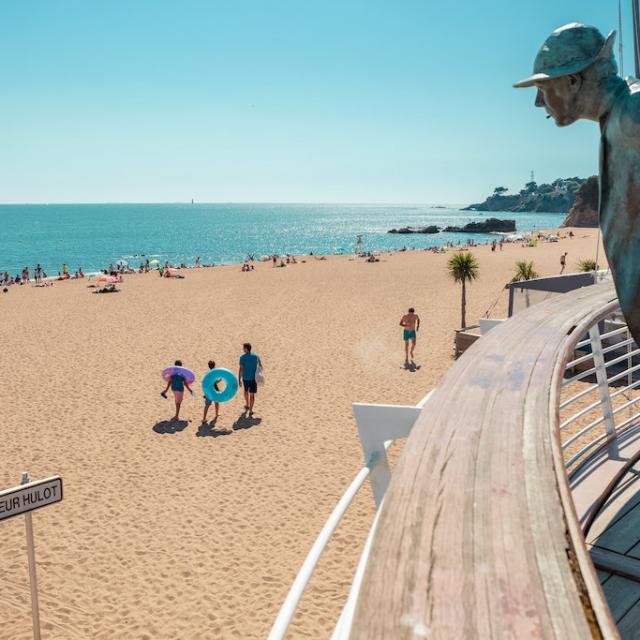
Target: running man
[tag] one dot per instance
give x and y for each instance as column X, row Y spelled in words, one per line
column 177, row 384
column 207, row 402
column 411, row 323
column 249, row 363
column 563, row 262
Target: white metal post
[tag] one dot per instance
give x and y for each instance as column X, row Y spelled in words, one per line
column 603, row 385
column 31, row 554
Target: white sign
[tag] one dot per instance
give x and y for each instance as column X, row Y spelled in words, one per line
column 27, row 497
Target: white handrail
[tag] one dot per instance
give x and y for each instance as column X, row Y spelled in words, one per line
column 600, row 367
column 346, row 617
column 290, row 604
column 566, row 403
column 373, row 462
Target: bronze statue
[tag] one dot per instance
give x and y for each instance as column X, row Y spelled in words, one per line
column 576, row 76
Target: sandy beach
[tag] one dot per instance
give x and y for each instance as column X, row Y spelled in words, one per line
column 172, row 530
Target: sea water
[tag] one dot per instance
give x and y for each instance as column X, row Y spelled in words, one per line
column 92, row 236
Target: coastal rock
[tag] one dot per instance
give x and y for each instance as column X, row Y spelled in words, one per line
column 557, row 197
column 584, row 212
column 430, row 229
column 487, row 226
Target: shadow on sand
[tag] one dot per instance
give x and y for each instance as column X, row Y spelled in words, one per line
column 209, row 430
column 170, row 426
column 411, row 366
column 245, row 422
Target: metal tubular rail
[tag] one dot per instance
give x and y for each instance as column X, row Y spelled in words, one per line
column 604, row 403
column 288, row 609
column 375, row 460
column 587, row 448
column 583, row 393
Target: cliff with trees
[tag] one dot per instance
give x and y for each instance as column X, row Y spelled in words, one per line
column 556, row 197
column 584, row 212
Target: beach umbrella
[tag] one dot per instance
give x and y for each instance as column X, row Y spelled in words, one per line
column 154, row 261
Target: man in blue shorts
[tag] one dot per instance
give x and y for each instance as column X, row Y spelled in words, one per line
column 249, row 363
column 410, row 323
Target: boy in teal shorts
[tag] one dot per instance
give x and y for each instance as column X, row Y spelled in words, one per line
column 207, row 402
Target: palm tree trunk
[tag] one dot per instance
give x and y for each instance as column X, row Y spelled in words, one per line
column 464, row 304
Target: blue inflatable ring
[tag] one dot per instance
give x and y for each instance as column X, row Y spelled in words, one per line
column 231, row 385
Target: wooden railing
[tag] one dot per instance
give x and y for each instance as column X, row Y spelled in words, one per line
column 478, row 535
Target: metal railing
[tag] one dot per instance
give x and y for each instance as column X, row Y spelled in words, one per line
column 378, row 427
column 599, row 387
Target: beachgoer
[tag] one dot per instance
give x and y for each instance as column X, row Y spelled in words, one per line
column 410, row 323
column 177, row 383
column 197, row 261
column 249, row 363
column 563, row 261
column 207, row 402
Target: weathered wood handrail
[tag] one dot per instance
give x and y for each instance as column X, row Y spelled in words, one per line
column 478, row 535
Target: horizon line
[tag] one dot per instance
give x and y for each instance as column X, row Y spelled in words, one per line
column 110, row 202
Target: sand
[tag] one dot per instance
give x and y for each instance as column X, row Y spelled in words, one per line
column 175, row 531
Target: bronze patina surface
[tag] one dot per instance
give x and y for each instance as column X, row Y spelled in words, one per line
column 576, row 76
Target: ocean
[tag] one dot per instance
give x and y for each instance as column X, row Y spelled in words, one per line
column 93, row 235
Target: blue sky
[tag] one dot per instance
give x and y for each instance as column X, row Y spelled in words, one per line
column 276, row 101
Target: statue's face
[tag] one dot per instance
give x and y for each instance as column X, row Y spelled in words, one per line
column 559, row 97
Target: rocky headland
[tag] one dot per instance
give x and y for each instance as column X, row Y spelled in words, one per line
column 584, row 212
column 557, row 197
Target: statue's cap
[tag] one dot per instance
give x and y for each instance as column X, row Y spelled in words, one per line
column 569, row 49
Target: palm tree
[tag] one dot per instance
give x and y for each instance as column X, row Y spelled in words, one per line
column 524, row 271
column 463, row 267
column 587, row 265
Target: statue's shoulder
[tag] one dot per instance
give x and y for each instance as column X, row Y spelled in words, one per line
column 627, row 110
column 633, row 85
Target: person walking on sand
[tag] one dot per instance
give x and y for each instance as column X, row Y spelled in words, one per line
column 249, row 363
column 563, row 261
column 177, row 384
column 410, row 323
column 207, row 402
